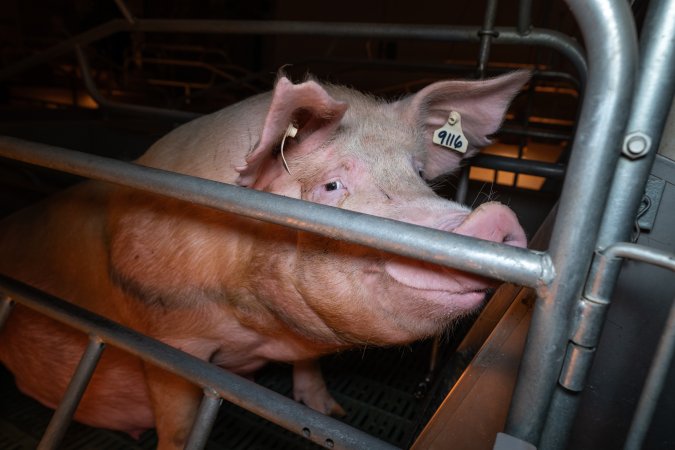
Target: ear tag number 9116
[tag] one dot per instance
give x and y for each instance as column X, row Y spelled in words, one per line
column 450, row 135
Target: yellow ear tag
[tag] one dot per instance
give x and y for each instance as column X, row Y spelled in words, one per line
column 450, row 135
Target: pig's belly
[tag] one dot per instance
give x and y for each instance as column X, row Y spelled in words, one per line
column 42, row 354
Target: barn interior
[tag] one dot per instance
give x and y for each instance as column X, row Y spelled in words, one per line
column 114, row 93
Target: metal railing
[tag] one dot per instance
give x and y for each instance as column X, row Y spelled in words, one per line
column 537, row 414
column 281, row 410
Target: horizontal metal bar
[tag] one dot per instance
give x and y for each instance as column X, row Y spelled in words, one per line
column 546, row 38
column 533, row 132
column 503, row 262
column 65, row 47
column 266, row 403
column 641, row 253
column 63, row 415
column 90, row 85
column 526, row 166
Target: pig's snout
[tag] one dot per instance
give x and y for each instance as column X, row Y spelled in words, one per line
column 493, row 222
column 462, row 291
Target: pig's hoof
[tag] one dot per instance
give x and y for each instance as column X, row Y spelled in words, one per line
column 324, row 403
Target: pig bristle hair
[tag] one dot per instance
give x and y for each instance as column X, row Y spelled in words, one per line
column 490, row 196
column 281, row 73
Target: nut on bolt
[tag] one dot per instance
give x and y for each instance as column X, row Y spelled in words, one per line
column 636, row 144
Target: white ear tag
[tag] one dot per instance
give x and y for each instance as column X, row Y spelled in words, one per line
column 291, row 131
column 450, row 135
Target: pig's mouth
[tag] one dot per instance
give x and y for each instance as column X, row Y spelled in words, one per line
column 456, row 289
column 460, row 290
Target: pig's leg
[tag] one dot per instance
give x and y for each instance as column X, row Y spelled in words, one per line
column 310, row 389
column 175, row 402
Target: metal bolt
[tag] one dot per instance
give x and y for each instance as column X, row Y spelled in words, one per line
column 636, row 144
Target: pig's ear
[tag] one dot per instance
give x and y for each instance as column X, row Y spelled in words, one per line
column 481, row 105
column 309, row 108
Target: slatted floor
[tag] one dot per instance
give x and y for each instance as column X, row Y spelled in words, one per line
column 378, row 388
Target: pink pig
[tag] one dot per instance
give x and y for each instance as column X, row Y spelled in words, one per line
column 239, row 292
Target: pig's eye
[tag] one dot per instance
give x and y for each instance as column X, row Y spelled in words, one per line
column 333, row 185
column 420, row 172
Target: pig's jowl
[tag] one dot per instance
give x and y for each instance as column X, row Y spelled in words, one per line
column 240, row 292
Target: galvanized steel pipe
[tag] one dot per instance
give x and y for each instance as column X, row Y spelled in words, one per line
column 56, row 430
column 503, row 262
column 545, row 38
column 268, row 404
column 609, row 33
column 651, row 102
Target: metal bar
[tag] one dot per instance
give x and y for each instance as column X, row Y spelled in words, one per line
column 532, row 132
column 125, row 11
column 589, row 333
column 63, row 415
column 539, row 168
column 65, row 47
column 641, row 253
column 517, row 265
column 656, row 379
column 486, row 34
column 651, row 102
column 206, row 416
column 462, row 185
column 609, row 33
column 649, row 112
column 524, row 17
column 546, row 38
column 6, row 306
column 238, row 390
column 93, row 91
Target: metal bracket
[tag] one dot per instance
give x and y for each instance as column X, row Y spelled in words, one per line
column 651, row 200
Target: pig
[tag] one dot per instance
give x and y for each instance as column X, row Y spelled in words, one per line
column 240, row 292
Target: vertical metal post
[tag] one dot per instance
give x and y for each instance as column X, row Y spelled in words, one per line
column 609, row 33
column 524, row 17
column 653, row 386
column 486, row 35
column 6, row 306
column 78, row 383
column 462, row 185
column 206, row 416
column 649, row 110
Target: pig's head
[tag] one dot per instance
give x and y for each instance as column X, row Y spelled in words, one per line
column 363, row 154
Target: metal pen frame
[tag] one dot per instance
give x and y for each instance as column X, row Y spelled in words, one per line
column 508, row 36
column 559, row 275
column 217, row 382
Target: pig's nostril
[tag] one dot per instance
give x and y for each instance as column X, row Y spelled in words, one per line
column 515, row 239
